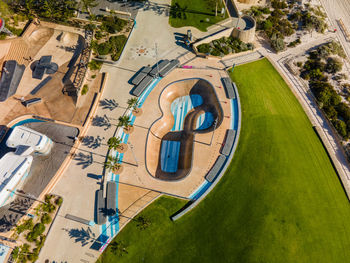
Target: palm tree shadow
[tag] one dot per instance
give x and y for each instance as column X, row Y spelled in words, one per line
column 101, row 121
column 85, row 160
column 109, row 104
column 83, row 236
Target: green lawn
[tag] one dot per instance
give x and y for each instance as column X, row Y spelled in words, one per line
column 279, row 201
column 194, row 13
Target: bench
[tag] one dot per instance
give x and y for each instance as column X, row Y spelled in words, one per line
column 100, row 213
column 172, row 65
column 214, row 171
column 30, row 102
column 229, row 88
column 229, row 139
column 137, row 90
column 40, row 85
column 111, row 204
column 160, row 67
column 139, row 76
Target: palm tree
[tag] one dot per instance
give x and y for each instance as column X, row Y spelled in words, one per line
column 133, row 103
column 87, row 4
column 114, row 143
column 124, row 121
column 112, row 163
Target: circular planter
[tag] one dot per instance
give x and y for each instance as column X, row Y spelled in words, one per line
column 119, row 170
column 122, row 148
column 137, row 112
column 129, row 130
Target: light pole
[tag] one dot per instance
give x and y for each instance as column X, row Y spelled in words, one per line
column 23, row 194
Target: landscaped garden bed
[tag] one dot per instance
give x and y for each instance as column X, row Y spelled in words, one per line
column 224, row 46
column 111, row 35
column 322, row 68
column 283, row 23
column 31, row 233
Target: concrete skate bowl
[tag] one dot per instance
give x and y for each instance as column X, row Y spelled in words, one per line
column 189, row 107
column 40, row 36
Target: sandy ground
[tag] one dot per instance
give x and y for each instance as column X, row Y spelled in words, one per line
column 61, row 43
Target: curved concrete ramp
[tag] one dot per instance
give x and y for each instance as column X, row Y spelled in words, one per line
column 185, row 105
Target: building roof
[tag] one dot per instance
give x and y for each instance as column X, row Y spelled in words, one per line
column 11, row 76
column 22, row 135
column 12, row 164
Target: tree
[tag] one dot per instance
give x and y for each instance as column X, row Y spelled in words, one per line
column 112, row 163
column 330, row 112
column 46, row 219
column 114, row 143
column 119, row 248
column 133, row 103
column 124, row 121
column 333, row 65
column 278, row 44
column 340, row 126
column 87, row 4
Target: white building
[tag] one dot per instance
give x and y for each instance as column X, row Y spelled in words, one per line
column 12, row 169
column 15, row 165
column 23, row 136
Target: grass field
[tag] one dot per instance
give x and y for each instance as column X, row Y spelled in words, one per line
column 279, row 201
column 194, row 13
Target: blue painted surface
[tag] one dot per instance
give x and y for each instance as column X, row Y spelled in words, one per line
column 26, row 121
column 181, row 106
column 204, row 121
column 169, row 156
column 234, row 125
column 111, row 229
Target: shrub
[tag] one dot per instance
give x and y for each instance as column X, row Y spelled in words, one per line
column 204, row 48
column 104, row 48
column 330, row 112
column 46, row 219
column 117, row 43
column 113, row 24
column 98, row 35
column 85, row 89
column 278, row 44
column 40, row 243
column 343, row 111
column 333, row 65
column 38, row 229
column 95, row 65
column 27, row 225
column 93, row 76
column 340, row 126
column 59, row 201
column 90, row 27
